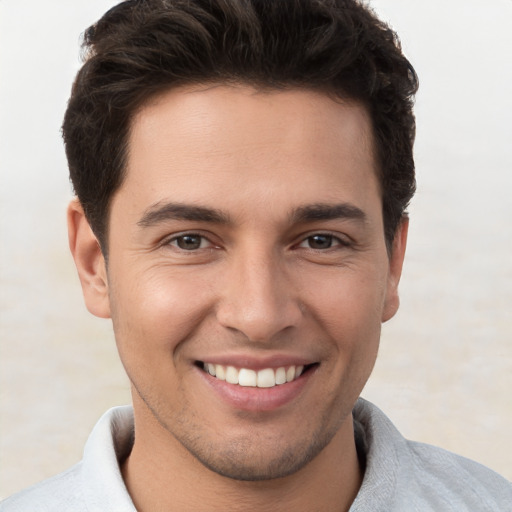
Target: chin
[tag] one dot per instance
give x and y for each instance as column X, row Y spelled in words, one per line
column 256, row 457
column 248, row 468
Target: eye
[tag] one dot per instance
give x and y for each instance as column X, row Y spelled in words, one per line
column 322, row 241
column 190, row 242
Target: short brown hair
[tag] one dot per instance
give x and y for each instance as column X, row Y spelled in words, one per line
column 140, row 48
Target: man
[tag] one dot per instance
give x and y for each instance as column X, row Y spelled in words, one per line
column 243, row 171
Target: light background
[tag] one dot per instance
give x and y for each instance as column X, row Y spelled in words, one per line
column 444, row 374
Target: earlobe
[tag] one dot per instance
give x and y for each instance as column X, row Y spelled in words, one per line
column 89, row 261
column 396, row 260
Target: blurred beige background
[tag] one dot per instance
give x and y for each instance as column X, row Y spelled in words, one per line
column 445, row 369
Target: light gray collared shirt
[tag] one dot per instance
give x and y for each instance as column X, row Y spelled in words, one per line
column 400, row 475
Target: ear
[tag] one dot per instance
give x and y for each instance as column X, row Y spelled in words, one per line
column 89, row 261
column 396, row 260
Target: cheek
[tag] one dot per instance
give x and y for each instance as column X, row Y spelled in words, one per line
column 349, row 308
column 349, row 304
column 154, row 312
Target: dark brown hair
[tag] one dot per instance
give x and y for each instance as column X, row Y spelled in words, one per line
column 142, row 47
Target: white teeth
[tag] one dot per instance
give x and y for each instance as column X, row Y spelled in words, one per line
column 280, row 376
column 266, row 378
column 231, row 375
column 247, row 377
column 220, row 373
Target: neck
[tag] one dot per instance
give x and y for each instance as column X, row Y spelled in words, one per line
column 160, row 474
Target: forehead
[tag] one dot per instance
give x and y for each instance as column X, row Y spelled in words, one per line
column 241, row 113
column 199, row 141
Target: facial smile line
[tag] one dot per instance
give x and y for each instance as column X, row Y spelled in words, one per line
column 264, row 378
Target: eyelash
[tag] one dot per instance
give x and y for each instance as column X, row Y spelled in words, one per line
column 333, row 240
column 176, row 238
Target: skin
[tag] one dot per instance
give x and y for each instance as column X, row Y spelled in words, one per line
column 259, row 279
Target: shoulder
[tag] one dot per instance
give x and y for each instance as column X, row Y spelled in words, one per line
column 61, row 492
column 96, row 483
column 452, row 480
column 406, row 475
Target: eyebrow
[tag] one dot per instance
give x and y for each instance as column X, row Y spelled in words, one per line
column 161, row 212
column 321, row 211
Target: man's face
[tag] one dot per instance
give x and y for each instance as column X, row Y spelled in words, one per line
column 247, row 239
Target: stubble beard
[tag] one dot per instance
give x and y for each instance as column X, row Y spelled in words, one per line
column 247, row 457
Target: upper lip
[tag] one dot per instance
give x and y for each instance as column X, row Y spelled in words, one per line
column 257, row 363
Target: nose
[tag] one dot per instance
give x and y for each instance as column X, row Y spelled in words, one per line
column 259, row 298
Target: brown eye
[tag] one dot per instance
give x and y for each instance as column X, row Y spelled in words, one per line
column 189, row 242
column 323, row 241
column 320, row 241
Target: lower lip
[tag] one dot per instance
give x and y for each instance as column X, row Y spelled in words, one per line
column 257, row 399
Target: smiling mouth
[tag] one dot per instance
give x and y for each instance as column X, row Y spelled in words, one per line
column 264, row 378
